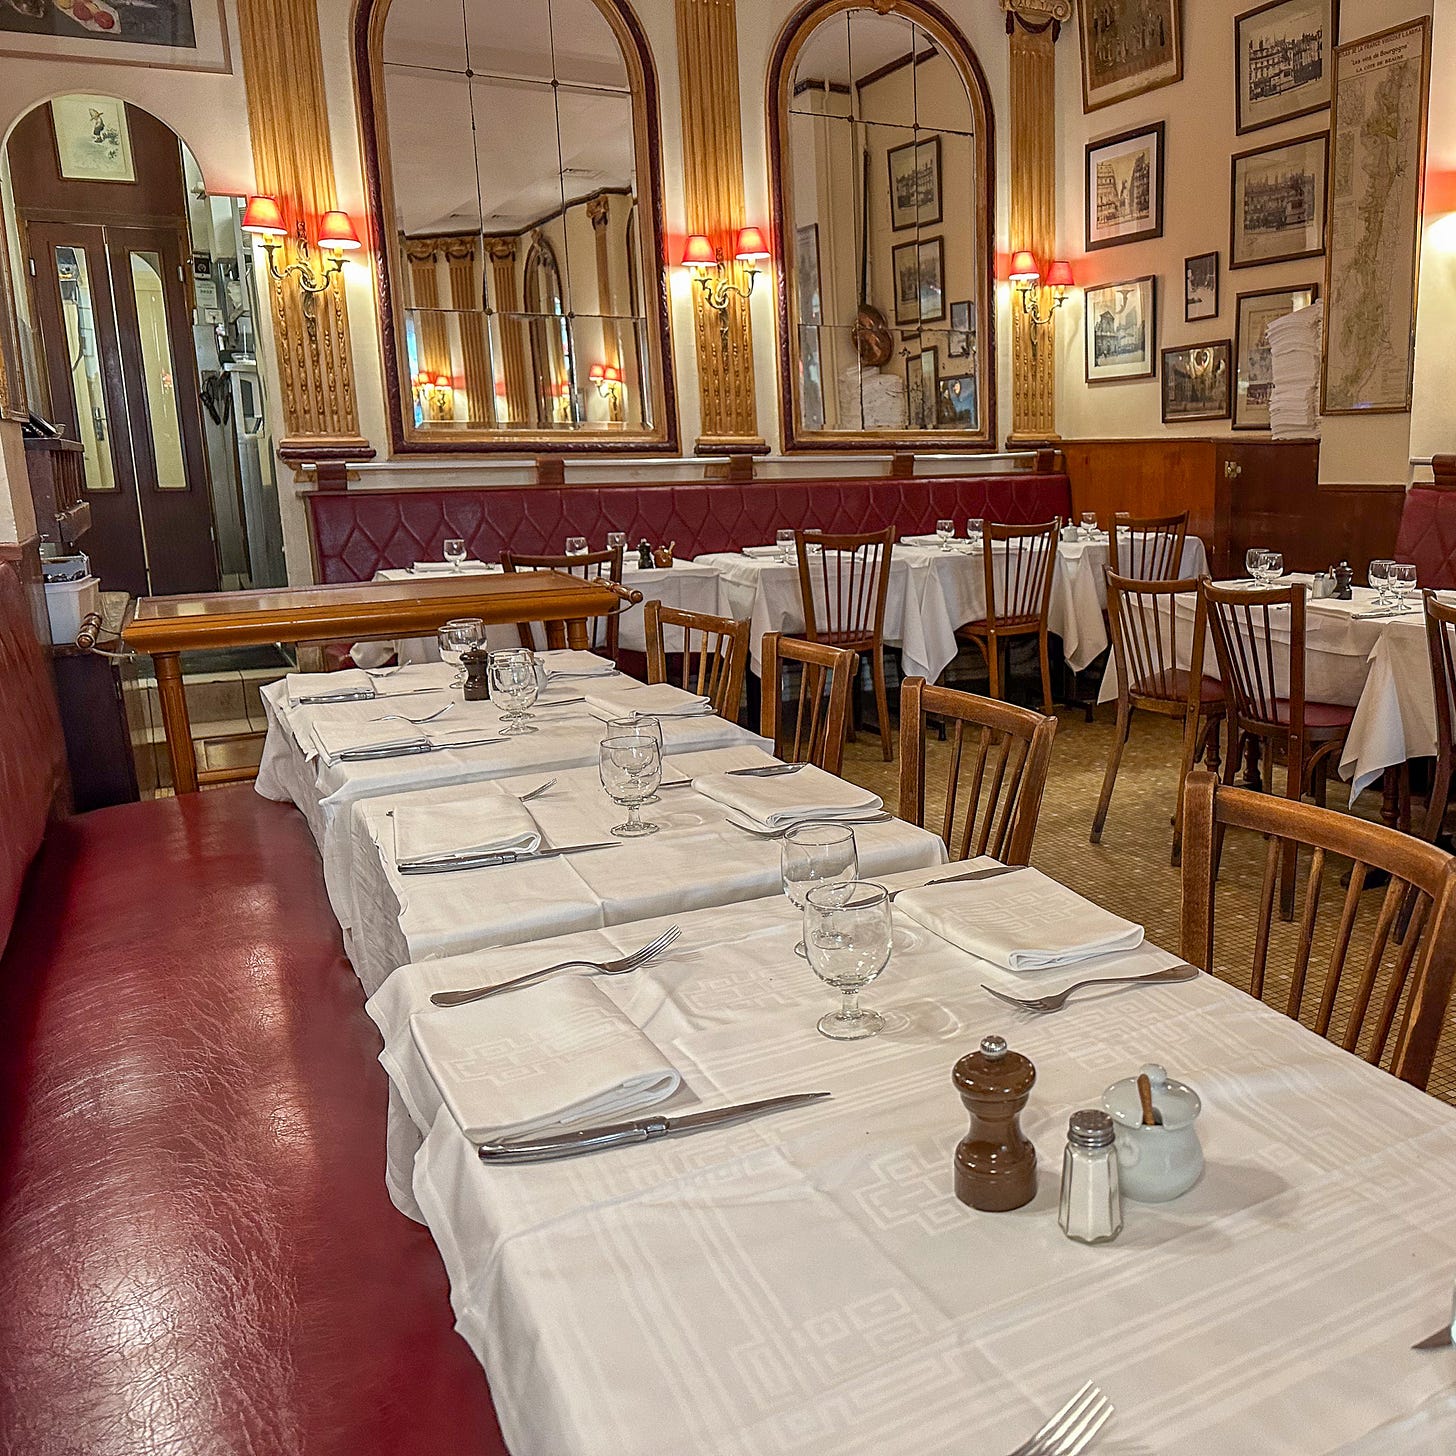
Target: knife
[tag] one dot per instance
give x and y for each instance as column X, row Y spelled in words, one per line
column 617, row 1134
column 443, row 865
column 994, row 872
column 364, row 755
column 773, row 771
column 360, row 697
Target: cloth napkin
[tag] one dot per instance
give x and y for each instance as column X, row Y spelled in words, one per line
column 657, row 700
column 333, row 735
column 569, row 662
column 342, row 684
column 475, row 826
column 443, row 568
column 810, row 795
column 548, row 1058
column 764, row 553
column 930, row 540
column 1020, row 922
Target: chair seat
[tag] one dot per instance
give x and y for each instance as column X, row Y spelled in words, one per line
column 1173, row 687
column 1324, row 719
column 853, row 641
column 1005, row 626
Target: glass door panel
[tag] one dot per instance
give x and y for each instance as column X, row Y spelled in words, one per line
column 163, row 417
column 88, row 392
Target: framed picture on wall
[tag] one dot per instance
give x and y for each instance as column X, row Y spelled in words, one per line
column 919, row 270
column 179, row 35
column 1200, row 287
column 93, row 142
column 915, row 183
column 962, row 340
column 922, row 374
column 1197, row 381
column 1254, row 365
column 1124, row 187
column 1120, row 329
column 1277, row 202
column 956, row 403
column 810, row 317
column 1128, row 47
column 1282, row 60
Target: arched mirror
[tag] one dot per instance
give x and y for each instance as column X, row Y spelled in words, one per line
column 882, row 159
column 512, row 152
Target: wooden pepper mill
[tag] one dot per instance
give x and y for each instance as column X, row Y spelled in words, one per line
column 476, row 662
column 995, row 1165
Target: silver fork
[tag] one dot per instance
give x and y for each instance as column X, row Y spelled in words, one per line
column 383, row 671
column 536, row 792
column 779, row 833
column 648, row 953
column 1071, row 1430
column 1058, row 999
column 405, row 717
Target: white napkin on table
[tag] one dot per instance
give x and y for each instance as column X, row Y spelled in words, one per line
column 775, row 803
column 656, row 700
column 930, row 540
column 342, row 684
column 477, row 826
column 334, row 735
column 570, row 662
column 444, row 568
column 1020, row 922
column 545, row 1059
column 764, row 553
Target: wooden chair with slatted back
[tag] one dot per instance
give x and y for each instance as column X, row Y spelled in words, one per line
column 592, row 565
column 1441, row 647
column 1401, row 986
column 1150, row 637
column 1018, row 596
column 1151, row 549
column 714, row 654
column 844, row 586
column 821, row 709
column 1007, row 751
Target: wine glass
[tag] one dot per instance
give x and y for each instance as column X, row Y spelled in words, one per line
column 1379, row 578
column 455, row 553
column 513, row 686
column 1254, row 563
column 1089, row 525
column 946, row 531
column 817, row 854
column 455, row 637
column 848, row 933
column 1402, row 580
column 631, row 770
column 638, row 725
column 576, row 546
column 1273, row 567
column 784, row 539
column 974, row 527
column 616, row 539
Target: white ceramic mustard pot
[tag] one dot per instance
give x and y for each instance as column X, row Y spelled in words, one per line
column 1156, row 1163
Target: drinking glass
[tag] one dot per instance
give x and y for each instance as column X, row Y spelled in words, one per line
column 513, row 686
column 638, row 725
column 946, row 531
column 974, row 527
column 1089, row 525
column 785, row 542
column 848, row 932
column 615, row 539
column 1254, row 563
column 455, row 637
column 631, row 770
column 817, row 854
column 576, row 546
column 455, row 553
column 1402, row 580
column 1273, row 567
column 1379, row 578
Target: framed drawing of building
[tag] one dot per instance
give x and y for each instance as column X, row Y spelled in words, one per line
column 1123, row 185
column 1196, row 382
column 1282, row 60
column 1120, row 330
column 1277, row 202
column 1254, row 364
column 914, row 184
column 1128, row 47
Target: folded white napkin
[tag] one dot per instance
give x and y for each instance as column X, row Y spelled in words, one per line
column 764, row 553
column 475, row 826
column 928, row 540
column 544, row 1059
column 342, row 684
column 656, row 700
column 444, row 568
column 1020, row 922
column 332, row 736
column 776, row 803
column 569, row 662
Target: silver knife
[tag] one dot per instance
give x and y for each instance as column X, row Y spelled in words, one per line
column 992, row 873
column 617, row 1134
column 364, row 755
column 773, row 771
column 360, row 697
column 443, row 865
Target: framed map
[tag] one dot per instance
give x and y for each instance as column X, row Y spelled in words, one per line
column 1378, row 144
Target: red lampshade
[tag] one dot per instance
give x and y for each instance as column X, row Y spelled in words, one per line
column 442, row 381
column 263, row 215
column 1024, row 268
column 612, row 374
column 1440, row 195
column 1059, row 275
column 422, row 378
column 698, row 252
column 595, row 373
column 337, row 231
column 751, row 245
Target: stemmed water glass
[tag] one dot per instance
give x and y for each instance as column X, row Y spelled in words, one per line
column 638, row 725
column 457, row 636
column 1273, row 567
column 946, row 531
column 1254, row 563
column 784, row 539
column 455, row 553
column 631, row 770
column 1089, row 525
column 513, row 686
column 615, row 539
column 848, row 933
column 1402, row 580
column 1379, row 578
column 974, row 526
column 576, row 546
column 817, row 854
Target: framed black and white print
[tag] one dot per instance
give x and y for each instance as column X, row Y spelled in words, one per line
column 1124, row 187
column 1200, row 287
column 1128, row 47
column 919, row 270
column 962, row 330
column 1277, row 202
column 1253, row 360
column 1120, row 330
column 915, row 184
column 1282, row 54
column 922, row 389
column 1197, row 382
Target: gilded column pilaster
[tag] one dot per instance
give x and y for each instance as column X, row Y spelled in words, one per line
column 466, row 298
column 433, row 338
column 506, row 306
column 712, row 138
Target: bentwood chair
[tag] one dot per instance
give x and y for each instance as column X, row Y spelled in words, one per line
column 1151, row 548
column 1007, row 751
column 1149, row 639
column 1259, row 638
column 714, row 654
column 844, row 586
column 821, row 709
column 1441, row 647
column 1018, row 596
column 1369, row 970
column 593, row 565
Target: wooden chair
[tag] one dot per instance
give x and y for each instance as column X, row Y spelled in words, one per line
column 1308, row 734
column 1419, row 967
column 1441, row 647
column 1010, row 749
column 1147, row 634
column 822, row 706
column 852, row 573
column 594, row 564
column 1018, row 595
column 714, row 668
column 1153, row 547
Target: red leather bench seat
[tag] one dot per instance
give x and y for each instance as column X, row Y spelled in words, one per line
column 358, row 532
column 1427, row 535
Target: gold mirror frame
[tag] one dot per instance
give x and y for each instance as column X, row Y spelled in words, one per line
column 948, row 38
column 405, row 437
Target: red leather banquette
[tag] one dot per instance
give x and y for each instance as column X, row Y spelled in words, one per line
column 196, row 1250
column 1427, row 534
column 357, row 532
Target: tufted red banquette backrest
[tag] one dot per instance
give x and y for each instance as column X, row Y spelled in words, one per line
column 32, row 752
column 357, row 532
column 1427, row 535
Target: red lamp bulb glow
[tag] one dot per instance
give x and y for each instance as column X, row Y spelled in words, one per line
column 1024, row 269
column 263, row 216
column 698, row 252
column 336, row 232
column 751, row 245
column 1059, row 275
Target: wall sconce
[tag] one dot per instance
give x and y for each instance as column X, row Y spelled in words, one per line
column 264, row 218
column 608, row 380
column 434, row 396
column 705, row 263
column 1026, row 279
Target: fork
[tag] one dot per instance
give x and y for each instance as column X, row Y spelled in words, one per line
column 382, row 671
column 779, row 833
column 1073, row 1427
column 1057, row 999
column 536, row 792
column 643, row 957
column 405, row 717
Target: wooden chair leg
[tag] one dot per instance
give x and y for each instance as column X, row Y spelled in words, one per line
column 882, row 703
column 1289, row 854
column 1046, row 672
column 1114, row 760
column 993, row 666
column 1185, row 767
column 1214, row 732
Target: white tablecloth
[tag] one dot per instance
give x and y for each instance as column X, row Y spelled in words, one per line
column 807, row 1283
column 697, row 858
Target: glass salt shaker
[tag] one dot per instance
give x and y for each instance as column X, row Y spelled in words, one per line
column 1091, row 1202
